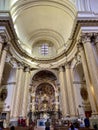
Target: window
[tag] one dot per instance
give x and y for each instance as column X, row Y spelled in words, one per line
column 44, row 49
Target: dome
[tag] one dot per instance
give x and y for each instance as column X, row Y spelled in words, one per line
column 43, row 24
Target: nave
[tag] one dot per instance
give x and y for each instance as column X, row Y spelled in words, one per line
column 48, row 60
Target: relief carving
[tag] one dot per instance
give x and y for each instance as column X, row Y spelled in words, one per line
column 84, row 93
column 3, row 94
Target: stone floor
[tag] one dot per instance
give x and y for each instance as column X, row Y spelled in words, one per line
column 59, row 128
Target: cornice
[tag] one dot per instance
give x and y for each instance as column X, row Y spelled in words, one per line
column 79, row 24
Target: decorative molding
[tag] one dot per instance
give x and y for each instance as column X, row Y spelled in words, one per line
column 1, row 38
column 9, row 83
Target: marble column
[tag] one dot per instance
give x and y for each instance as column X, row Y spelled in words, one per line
column 26, row 92
column 22, row 92
column 56, row 102
column 63, row 91
column 33, row 101
column 88, row 80
column 69, row 84
column 2, row 63
column 91, row 62
column 13, row 102
column 18, row 93
column 1, row 45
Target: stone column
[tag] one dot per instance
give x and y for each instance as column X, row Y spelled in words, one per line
column 33, row 101
column 91, row 62
column 22, row 92
column 70, row 90
column 1, row 44
column 13, row 102
column 2, row 63
column 56, row 101
column 63, row 90
column 88, row 80
column 26, row 92
column 18, row 93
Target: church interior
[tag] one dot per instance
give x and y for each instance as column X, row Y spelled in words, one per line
column 48, row 59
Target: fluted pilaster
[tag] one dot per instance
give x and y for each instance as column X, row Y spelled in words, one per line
column 33, row 100
column 65, row 106
column 26, row 92
column 91, row 61
column 13, row 102
column 70, row 89
column 2, row 62
column 1, row 44
column 18, row 93
column 88, row 80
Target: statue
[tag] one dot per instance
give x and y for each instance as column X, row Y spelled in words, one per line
column 30, row 117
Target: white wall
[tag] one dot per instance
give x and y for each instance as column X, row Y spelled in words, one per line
column 10, row 86
column 94, row 5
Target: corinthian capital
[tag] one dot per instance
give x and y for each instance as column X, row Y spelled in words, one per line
column 6, row 46
column 68, row 65
column 20, row 65
column 96, row 38
column 61, row 69
column 88, row 37
column 27, row 69
column 77, row 57
column 1, row 39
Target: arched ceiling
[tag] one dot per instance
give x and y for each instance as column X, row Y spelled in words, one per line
column 44, row 74
column 50, row 20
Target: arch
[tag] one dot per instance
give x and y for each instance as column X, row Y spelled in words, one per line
column 44, row 74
